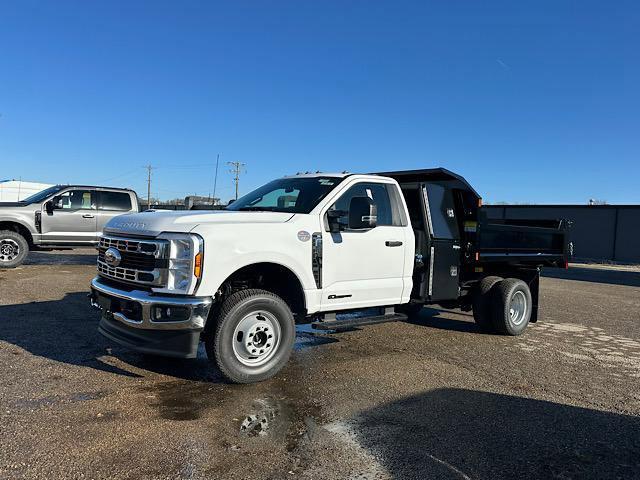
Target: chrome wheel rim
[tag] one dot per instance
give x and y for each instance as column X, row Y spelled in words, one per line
column 256, row 338
column 9, row 250
column 518, row 308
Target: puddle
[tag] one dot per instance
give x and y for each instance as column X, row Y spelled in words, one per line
column 307, row 337
column 280, row 419
column 184, row 401
column 266, row 414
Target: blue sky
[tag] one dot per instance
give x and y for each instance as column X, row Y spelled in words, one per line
column 531, row 101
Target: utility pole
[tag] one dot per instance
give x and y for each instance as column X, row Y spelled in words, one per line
column 149, row 168
column 215, row 179
column 236, row 167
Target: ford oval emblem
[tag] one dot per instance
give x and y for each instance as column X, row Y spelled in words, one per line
column 112, row 257
column 304, row 236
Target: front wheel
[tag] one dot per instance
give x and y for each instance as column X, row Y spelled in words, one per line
column 513, row 306
column 13, row 249
column 253, row 338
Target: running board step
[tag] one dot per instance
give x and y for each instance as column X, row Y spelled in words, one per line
column 358, row 322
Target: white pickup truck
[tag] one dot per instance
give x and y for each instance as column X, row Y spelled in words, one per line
column 307, row 248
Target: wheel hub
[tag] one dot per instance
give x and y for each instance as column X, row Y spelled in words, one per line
column 9, row 249
column 518, row 308
column 256, row 338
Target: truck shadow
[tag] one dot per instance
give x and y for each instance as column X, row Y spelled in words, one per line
column 432, row 317
column 56, row 258
column 458, row 433
column 62, row 330
column 596, row 275
column 66, row 330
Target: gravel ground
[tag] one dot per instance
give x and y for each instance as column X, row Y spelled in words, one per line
column 431, row 398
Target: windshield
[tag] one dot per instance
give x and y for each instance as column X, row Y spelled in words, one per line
column 38, row 197
column 291, row 195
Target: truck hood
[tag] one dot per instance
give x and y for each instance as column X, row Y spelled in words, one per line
column 154, row 222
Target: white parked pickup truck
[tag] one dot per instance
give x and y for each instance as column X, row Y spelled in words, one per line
column 305, row 249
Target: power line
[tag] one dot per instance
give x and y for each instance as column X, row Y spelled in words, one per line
column 235, row 169
column 215, row 178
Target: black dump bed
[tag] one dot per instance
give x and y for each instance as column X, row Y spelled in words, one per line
column 542, row 242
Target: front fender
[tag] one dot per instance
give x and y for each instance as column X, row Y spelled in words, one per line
column 27, row 224
column 218, row 270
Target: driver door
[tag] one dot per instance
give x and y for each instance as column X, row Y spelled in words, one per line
column 72, row 218
column 364, row 268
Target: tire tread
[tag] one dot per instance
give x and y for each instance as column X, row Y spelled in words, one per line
column 482, row 308
column 214, row 353
column 502, row 294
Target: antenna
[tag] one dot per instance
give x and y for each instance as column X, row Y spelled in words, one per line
column 236, row 167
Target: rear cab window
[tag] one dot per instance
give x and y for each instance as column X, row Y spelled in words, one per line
column 114, row 201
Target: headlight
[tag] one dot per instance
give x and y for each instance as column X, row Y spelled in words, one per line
column 186, row 252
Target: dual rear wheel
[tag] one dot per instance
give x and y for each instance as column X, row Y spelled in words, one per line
column 502, row 305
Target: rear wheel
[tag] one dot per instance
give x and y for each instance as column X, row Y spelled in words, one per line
column 13, row 249
column 253, row 338
column 513, row 306
column 482, row 303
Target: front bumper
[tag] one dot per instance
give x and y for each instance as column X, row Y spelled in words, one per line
column 158, row 324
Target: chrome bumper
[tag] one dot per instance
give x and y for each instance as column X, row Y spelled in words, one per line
column 117, row 304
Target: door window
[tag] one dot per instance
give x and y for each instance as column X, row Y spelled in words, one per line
column 388, row 209
column 119, row 201
column 77, row 200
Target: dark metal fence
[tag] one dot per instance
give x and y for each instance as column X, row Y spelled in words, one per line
column 599, row 232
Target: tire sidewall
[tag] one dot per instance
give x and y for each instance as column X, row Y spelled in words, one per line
column 507, row 295
column 224, row 338
column 24, row 248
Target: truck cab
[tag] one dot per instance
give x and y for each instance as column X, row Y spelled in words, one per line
column 310, row 248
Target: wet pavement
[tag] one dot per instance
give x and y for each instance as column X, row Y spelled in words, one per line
column 430, row 398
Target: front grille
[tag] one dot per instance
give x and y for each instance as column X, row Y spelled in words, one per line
column 137, row 261
column 142, row 261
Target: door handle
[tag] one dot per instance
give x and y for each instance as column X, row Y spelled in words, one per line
column 393, row 243
column 87, row 215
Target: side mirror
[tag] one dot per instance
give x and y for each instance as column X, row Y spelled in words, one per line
column 333, row 219
column 48, row 206
column 363, row 213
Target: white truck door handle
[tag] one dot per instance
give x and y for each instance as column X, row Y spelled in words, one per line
column 87, row 215
column 393, row 243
